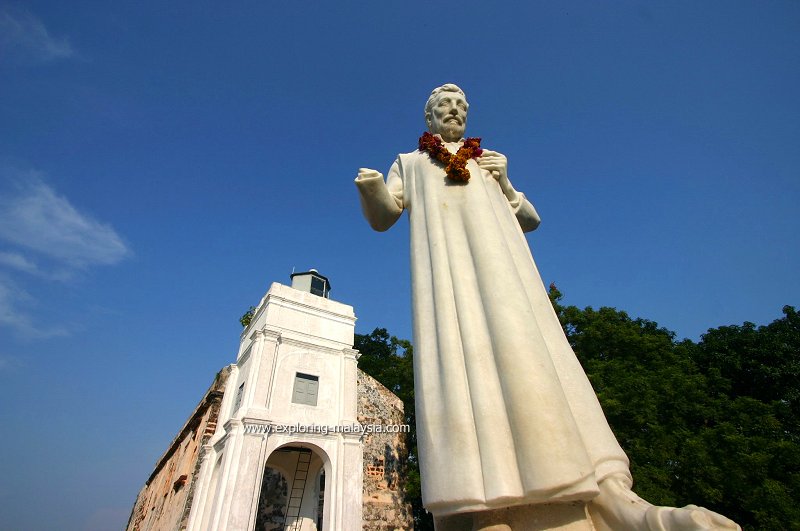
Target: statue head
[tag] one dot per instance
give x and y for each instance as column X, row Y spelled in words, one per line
column 446, row 112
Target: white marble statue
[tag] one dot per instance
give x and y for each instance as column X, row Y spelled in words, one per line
column 506, row 417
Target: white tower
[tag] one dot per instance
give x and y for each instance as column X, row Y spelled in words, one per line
column 275, row 460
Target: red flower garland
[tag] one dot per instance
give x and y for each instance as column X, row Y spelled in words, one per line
column 455, row 165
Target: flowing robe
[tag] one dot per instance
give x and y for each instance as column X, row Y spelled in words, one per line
column 505, row 413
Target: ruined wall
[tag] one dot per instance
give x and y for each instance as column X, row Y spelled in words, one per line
column 165, row 500
column 273, row 501
column 385, row 508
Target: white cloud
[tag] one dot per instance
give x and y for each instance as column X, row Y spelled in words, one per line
column 37, row 218
column 24, row 36
column 13, row 300
column 18, row 262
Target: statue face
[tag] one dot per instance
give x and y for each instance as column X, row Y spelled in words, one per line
column 448, row 117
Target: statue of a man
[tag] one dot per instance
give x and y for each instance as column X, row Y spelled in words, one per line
column 506, row 416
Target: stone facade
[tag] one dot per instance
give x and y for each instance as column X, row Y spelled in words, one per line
column 295, row 368
column 385, row 454
column 232, row 468
column 165, row 500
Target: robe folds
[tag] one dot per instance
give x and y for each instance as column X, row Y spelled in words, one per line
column 505, row 413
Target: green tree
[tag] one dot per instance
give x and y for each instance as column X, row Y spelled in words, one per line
column 713, row 423
column 754, row 376
column 651, row 392
column 247, row 317
column 758, row 362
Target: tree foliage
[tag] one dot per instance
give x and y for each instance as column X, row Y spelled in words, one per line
column 247, row 317
column 713, row 423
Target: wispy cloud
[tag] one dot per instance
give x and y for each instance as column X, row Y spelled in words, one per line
column 48, row 238
column 24, row 36
column 18, row 262
column 39, row 219
column 13, row 314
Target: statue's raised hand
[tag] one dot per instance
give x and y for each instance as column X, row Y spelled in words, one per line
column 367, row 173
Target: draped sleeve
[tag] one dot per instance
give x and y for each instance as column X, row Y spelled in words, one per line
column 381, row 202
column 525, row 212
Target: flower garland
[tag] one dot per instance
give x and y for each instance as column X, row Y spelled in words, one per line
column 455, row 165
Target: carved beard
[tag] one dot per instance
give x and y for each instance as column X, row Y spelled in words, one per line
column 451, row 130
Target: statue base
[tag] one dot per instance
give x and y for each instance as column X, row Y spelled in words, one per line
column 555, row 516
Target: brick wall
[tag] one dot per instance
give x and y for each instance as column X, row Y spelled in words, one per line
column 165, row 500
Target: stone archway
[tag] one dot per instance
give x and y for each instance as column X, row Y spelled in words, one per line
column 293, row 494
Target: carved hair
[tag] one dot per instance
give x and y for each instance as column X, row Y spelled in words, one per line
column 447, row 87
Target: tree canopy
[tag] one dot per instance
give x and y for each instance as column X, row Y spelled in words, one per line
column 714, row 423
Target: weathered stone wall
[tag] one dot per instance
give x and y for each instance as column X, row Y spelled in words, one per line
column 385, row 454
column 272, row 502
column 165, row 500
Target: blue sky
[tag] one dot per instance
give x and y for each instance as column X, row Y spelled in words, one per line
column 162, row 163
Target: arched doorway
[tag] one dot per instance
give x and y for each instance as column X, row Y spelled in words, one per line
column 292, row 496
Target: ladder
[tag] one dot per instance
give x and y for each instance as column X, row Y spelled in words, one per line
column 292, row 520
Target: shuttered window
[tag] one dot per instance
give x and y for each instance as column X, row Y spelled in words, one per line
column 305, row 389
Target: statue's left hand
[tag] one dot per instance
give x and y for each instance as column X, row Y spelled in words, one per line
column 497, row 164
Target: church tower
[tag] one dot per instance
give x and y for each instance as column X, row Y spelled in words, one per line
column 282, row 455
